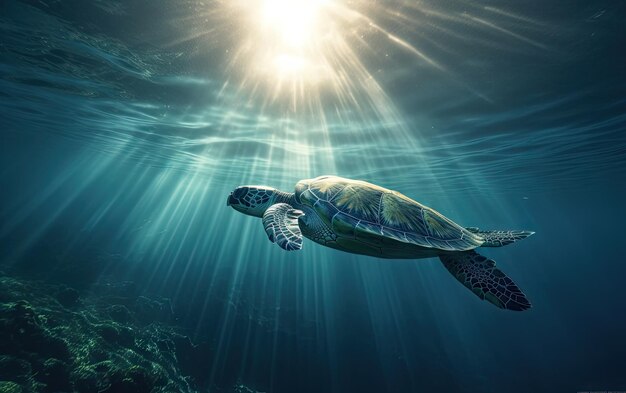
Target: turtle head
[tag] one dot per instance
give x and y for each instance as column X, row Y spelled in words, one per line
column 252, row 200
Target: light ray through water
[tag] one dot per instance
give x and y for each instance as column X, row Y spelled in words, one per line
column 280, row 91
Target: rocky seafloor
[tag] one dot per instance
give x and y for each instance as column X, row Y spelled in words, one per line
column 57, row 339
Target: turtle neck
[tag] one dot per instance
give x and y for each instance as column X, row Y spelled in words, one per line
column 284, row 197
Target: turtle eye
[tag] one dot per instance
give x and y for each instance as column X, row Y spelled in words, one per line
column 240, row 192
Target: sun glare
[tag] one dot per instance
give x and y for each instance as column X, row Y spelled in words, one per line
column 321, row 58
column 286, row 40
column 291, row 21
column 287, row 64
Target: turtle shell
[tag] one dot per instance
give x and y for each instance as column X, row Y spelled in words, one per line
column 367, row 212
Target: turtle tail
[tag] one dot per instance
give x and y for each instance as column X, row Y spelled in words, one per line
column 500, row 238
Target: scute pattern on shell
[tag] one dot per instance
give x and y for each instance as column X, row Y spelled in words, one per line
column 359, row 202
column 440, row 227
column 397, row 211
column 376, row 212
column 374, row 204
column 329, row 188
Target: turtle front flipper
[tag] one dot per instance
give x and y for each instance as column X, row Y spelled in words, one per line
column 481, row 276
column 281, row 225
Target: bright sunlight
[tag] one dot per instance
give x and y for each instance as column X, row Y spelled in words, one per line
column 293, row 22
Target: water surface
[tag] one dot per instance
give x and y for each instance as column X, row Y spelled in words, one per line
column 124, row 126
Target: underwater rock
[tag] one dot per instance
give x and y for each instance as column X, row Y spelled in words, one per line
column 108, row 332
column 23, row 332
column 241, row 388
column 68, row 297
column 56, row 376
column 115, row 334
column 191, row 356
column 10, row 387
column 133, row 380
column 85, row 379
column 56, row 341
column 123, row 289
column 119, row 313
column 13, row 369
column 150, row 310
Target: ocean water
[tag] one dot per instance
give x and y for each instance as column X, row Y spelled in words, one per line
column 124, row 126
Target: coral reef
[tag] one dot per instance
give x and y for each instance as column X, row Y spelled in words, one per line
column 56, row 339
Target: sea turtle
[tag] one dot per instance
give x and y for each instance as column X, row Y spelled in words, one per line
column 363, row 218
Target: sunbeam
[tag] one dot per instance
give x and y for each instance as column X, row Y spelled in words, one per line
column 126, row 126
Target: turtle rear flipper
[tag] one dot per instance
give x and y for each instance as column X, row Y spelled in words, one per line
column 281, row 225
column 481, row 276
column 499, row 238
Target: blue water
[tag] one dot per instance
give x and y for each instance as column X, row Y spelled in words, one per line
column 125, row 125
